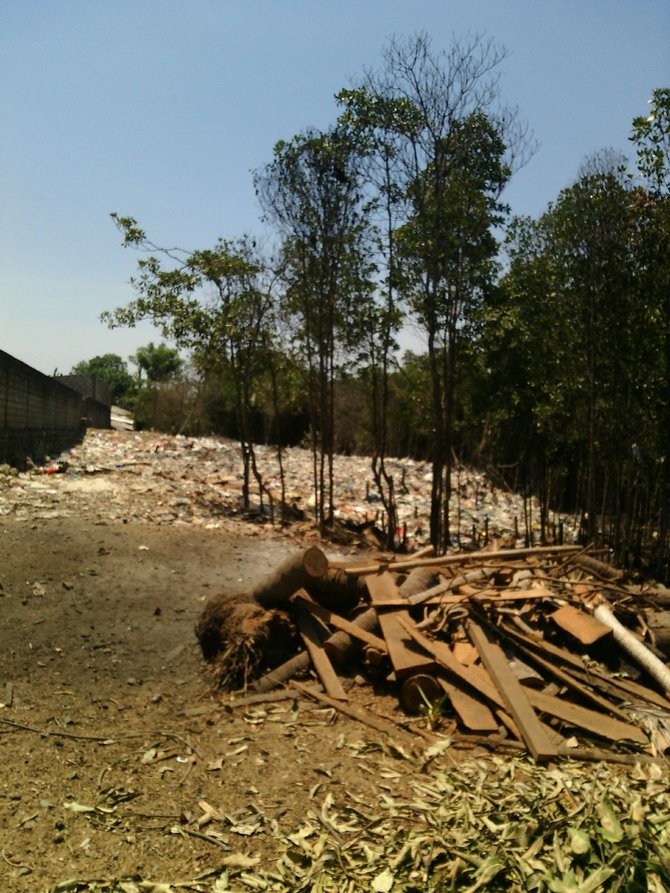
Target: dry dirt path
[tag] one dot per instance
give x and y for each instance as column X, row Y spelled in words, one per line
column 104, row 674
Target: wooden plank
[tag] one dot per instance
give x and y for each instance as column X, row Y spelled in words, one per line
column 577, row 685
column 474, row 677
column 406, row 657
column 465, row 653
column 511, row 595
column 582, row 626
column 581, row 717
column 474, row 714
column 310, row 636
column 486, row 596
column 626, row 687
column 514, row 696
column 338, row 622
column 442, row 654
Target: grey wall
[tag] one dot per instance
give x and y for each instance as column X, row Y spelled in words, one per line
column 88, row 386
column 40, row 416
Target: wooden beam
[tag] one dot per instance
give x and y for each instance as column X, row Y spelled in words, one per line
column 313, row 642
column 444, row 657
column 514, row 696
column 473, row 713
column 405, row 656
column 577, row 685
column 580, row 625
column 328, row 616
column 462, row 558
column 582, row 718
column 626, row 687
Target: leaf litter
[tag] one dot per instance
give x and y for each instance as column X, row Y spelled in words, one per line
column 486, row 824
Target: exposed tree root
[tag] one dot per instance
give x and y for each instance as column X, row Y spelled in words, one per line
column 240, row 640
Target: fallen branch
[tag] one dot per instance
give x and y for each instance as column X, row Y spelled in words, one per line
column 460, row 558
column 367, row 719
column 637, row 650
column 47, row 733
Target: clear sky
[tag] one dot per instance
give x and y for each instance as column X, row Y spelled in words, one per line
column 160, row 109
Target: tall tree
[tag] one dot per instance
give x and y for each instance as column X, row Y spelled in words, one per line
column 380, row 124
column 310, row 191
column 230, row 330
column 569, row 337
column 651, row 137
column 453, row 151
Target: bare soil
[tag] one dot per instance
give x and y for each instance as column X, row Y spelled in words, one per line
column 112, row 742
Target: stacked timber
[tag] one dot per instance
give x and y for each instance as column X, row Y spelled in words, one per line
column 546, row 648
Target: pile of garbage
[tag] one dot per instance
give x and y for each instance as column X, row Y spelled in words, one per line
column 546, row 649
column 134, row 475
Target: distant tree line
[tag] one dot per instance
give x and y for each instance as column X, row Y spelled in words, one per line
column 547, row 354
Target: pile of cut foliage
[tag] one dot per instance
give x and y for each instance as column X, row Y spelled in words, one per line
column 503, row 825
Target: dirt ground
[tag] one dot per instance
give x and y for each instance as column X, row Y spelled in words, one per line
column 114, row 748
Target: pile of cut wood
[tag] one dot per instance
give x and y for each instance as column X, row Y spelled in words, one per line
column 545, row 648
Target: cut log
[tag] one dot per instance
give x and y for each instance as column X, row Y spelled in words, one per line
column 339, row 647
column 354, row 629
column 296, row 572
column 660, row 595
column 659, row 627
column 514, row 696
column 597, row 568
column 283, row 673
column 417, row 581
column 338, row 590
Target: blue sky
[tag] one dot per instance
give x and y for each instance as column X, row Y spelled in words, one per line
column 160, row 109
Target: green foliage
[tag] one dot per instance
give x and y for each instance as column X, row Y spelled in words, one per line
column 574, row 339
column 556, row 372
column 446, row 157
column 312, row 194
column 157, row 364
column 651, row 136
column 172, row 407
column 231, row 331
column 113, row 370
column 448, row 242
